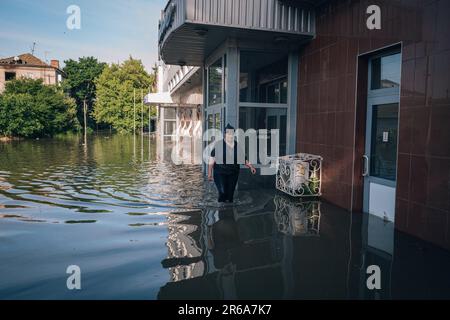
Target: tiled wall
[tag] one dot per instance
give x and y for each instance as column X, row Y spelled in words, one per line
column 331, row 106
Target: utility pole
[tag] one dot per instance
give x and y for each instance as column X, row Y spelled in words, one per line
column 142, row 125
column 46, row 56
column 85, row 113
column 149, row 132
column 134, row 111
column 149, row 114
column 33, row 48
column 85, row 120
column 142, row 112
column 149, row 120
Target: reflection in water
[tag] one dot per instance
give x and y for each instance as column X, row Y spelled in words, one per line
column 228, row 246
column 239, row 252
column 106, row 178
column 297, row 218
column 141, row 227
column 286, row 248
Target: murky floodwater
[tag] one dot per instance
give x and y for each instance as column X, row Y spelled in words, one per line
column 140, row 227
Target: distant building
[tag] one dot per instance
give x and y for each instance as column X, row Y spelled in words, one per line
column 28, row 66
column 179, row 102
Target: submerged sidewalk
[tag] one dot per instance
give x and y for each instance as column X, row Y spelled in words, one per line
column 279, row 247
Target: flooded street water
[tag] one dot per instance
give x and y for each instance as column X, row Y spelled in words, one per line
column 140, row 227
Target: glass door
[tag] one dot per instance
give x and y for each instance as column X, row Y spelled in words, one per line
column 276, row 120
column 216, row 95
column 214, row 119
column 380, row 159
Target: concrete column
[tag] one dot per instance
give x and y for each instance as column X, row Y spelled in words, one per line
column 232, row 86
column 291, row 136
column 204, row 115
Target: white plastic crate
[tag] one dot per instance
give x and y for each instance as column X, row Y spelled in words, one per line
column 300, row 175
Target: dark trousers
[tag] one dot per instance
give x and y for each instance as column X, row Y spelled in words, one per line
column 226, row 183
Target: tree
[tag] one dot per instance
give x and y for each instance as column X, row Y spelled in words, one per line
column 28, row 108
column 80, row 83
column 115, row 95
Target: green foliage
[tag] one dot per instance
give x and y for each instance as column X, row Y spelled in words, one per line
column 80, row 82
column 115, row 95
column 28, row 108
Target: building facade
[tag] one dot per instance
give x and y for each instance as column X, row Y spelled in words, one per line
column 28, row 66
column 375, row 105
column 179, row 103
column 371, row 100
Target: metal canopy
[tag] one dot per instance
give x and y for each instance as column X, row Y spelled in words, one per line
column 164, row 99
column 159, row 98
column 315, row 3
column 190, row 30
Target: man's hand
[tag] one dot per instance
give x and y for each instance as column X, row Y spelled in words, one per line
column 253, row 170
column 210, row 177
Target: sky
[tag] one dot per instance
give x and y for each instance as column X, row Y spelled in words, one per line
column 110, row 30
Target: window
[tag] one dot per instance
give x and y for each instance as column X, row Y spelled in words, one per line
column 215, row 83
column 225, row 71
column 170, row 113
column 383, row 154
column 284, row 91
column 214, row 121
column 210, row 121
column 217, row 124
column 265, row 118
column 271, row 93
column 212, row 124
column 274, row 92
column 263, row 77
column 170, row 121
column 385, row 72
column 10, row 76
column 169, row 127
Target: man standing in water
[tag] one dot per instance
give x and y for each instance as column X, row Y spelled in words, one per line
column 224, row 173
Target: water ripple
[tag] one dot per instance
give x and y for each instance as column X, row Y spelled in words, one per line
column 95, row 184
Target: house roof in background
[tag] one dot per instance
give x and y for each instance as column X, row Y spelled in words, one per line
column 26, row 59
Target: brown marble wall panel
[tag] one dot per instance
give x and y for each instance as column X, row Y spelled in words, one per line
column 332, row 101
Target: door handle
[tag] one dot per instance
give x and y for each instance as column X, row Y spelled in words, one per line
column 365, row 165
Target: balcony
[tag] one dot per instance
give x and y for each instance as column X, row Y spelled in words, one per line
column 189, row 30
column 179, row 76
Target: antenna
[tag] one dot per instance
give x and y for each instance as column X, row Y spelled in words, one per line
column 45, row 55
column 33, row 47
